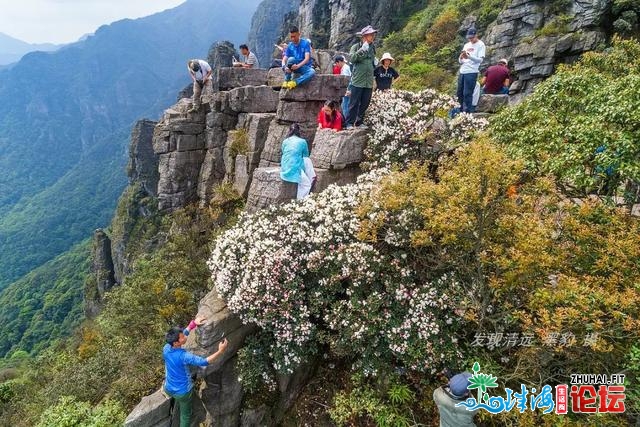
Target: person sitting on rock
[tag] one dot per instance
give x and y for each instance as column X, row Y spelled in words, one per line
column 250, row 60
column 384, row 73
column 470, row 59
column 496, row 79
column 200, row 72
column 178, row 384
column 329, row 117
column 296, row 165
column 297, row 60
column 363, row 57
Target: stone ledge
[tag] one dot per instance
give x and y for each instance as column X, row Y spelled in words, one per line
column 321, row 88
column 337, row 150
column 267, row 189
column 152, row 411
column 229, row 78
column 492, row 103
column 253, row 99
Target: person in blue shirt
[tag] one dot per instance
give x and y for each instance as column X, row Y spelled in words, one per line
column 178, row 383
column 296, row 165
column 297, row 61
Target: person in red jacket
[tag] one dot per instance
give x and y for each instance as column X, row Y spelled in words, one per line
column 329, row 117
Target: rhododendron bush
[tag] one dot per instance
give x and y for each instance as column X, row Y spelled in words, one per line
column 300, row 274
column 406, row 126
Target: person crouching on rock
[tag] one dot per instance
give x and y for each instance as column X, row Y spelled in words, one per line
column 200, row 72
column 296, row 165
column 178, row 383
column 297, row 61
column 329, row 117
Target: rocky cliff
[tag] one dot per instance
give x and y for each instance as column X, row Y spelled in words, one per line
column 266, row 27
column 538, row 35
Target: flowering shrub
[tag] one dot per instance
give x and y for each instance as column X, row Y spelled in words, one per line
column 406, row 124
column 300, row 274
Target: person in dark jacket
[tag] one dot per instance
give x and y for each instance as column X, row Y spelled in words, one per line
column 363, row 57
column 385, row 74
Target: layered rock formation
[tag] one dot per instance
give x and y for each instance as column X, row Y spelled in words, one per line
column 536, row 38
column 101, row 278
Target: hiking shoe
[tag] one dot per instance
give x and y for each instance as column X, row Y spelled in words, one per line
column 285, row 85
column 290, row 84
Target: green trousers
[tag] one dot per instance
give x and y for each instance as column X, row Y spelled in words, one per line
column 183, row 403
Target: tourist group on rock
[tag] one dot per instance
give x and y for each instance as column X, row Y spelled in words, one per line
column 366, row 72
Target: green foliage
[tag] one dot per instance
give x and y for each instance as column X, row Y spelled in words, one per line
column 557, row 26
column 581, row 124
column 386, row 403
column 46, row 305
column 68, row 412
column 239, row 142
column 118, row 355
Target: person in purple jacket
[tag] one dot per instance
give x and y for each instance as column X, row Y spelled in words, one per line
column 178, row 383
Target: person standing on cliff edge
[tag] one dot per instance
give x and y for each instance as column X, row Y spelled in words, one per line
column 363, row 58
column 200, row 72
column 178, row 383
column 470, row 58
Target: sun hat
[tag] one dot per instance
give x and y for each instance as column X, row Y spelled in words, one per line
column 386, row 55
column 458, row 384
column 366, row 30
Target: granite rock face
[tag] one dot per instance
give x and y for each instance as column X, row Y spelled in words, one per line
column 492, row 103
column 143, row 161
column 230, row 78
column 337, row 150
column 221, row 54
column 321, row 88
column 102, row 277
column 266, row 26
column 514, row 35
column 253, row 99
column 267, row 189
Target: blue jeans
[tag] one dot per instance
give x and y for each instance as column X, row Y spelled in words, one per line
column 466, row 86
column 503, row 91
column 304, row 74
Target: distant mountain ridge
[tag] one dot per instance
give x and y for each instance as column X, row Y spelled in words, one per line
column 12, row 49
column 65, row 118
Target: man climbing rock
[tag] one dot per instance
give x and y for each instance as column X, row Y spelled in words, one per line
column 178, row 383
column 470, row 59
column 297, row 62
column 363, row 57
column 200, row 72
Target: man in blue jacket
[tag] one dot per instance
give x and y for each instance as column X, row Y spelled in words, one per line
column 297, row 60
column 178, row 383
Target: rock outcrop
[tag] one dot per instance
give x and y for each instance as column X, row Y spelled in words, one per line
column 536, row 38
column 143, row 161
column 101, row 277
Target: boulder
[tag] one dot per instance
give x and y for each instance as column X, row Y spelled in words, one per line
column 229, row 78
column 275, row 78
column 277, row 133
column 252, row 99
column 257, row 127
column 152, row 411
column 327, row 177
column 267, row 188
column 298, row 112
column 321, row 88
column 492, row 103
column 337, row 150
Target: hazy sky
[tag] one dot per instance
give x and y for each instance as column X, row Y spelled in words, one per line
column 63, row 21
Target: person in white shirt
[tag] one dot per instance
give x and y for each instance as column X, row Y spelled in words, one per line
column 200, row 72
column 250, row 58
column 470, row 58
